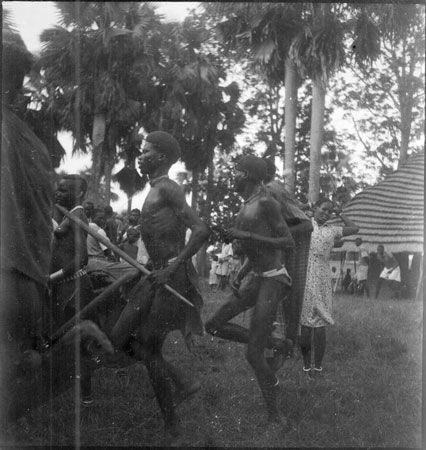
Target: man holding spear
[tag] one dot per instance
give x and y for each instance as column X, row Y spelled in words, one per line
column 165, row 218
column 159, row 302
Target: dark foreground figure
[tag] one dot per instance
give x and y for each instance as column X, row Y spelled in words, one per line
column 31, row 372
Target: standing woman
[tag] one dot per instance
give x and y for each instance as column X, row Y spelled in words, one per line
column 317, row 302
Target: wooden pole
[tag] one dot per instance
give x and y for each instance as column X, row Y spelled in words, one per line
column 116, row 250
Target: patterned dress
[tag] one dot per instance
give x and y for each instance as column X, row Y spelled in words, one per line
column 318, row 298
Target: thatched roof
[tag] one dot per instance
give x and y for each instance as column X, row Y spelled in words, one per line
column 391, row 212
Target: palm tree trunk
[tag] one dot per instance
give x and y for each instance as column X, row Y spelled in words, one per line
column 109, row 160
column 98, row 138
column 202, row 268
column 109, row 164
column 195, row 179
column 291, row 87
column 406, row 118
column 317, row 131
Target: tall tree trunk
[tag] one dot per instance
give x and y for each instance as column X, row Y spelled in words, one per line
column 317, row 131
column 195, row 180
column 202, row 267
column 98, row 138
column 406, row 118
column 108, row 166
column 210, row 187
column 109, row 160
column 291, row 87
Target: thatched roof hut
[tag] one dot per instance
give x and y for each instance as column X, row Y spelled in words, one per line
column 391, row 212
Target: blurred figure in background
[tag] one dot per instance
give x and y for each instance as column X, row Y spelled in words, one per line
column 211, row 252
column 89, row 208
column 362, row 273
column 130, row 246
column 347, row 280
column 391, row 272
column 222, row 270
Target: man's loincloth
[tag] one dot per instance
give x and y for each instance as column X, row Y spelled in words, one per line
column 252, row 282
column 393, row 274
column 185, row 281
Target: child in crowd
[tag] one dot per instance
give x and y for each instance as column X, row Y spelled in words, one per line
column 130, row 245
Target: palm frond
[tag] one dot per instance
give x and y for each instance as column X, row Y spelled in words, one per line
column 366, row 45
column 8, row 22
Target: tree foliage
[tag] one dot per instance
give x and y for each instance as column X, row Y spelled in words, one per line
column 385, row 102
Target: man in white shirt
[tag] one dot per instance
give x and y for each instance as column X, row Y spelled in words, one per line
column 98, row 253
column 362, row 273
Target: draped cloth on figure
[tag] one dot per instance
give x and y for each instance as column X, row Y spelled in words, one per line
column 26, row 200
column 296, row 261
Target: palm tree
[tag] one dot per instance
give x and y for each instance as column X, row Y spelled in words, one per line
column 265, row 31
column 192, row 97
column 319, row 51
column 90, row 63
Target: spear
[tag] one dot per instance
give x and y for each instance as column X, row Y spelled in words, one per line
column 117, row 250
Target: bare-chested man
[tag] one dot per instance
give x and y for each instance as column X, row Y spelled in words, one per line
column 152, row 310
column 391, row 272
column 71, row 287
column 264, row 235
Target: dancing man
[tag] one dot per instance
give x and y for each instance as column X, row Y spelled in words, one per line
column 152, row 311
column 264, row 235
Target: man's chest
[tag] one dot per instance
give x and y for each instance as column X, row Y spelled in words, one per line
column 156, row 212
column 249, row 216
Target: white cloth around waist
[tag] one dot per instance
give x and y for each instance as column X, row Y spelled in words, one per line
column 393, row 274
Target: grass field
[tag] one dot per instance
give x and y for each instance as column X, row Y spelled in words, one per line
column 369, row 394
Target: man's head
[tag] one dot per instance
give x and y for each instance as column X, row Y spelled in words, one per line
column 249, row 169
column 88, row 209
column 358, row 241
column 134, row 217
column 108, row 211
column 132, row 235
column 99, row 217
column 380, row 249
column 161, row 149
column 71, row 190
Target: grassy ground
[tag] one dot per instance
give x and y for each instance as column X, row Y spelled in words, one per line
column 369, row 394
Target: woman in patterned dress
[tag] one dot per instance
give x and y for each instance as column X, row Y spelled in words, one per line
column 317, row 302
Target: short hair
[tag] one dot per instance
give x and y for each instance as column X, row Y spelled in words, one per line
column 76, row 178
column 98, row 211
column 166, row 144
column 133, row 231
column 321, row 201
column 108, row 210
column 254, row 166
column 135, row 210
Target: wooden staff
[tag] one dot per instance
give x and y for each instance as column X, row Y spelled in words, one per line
column 117, row 250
